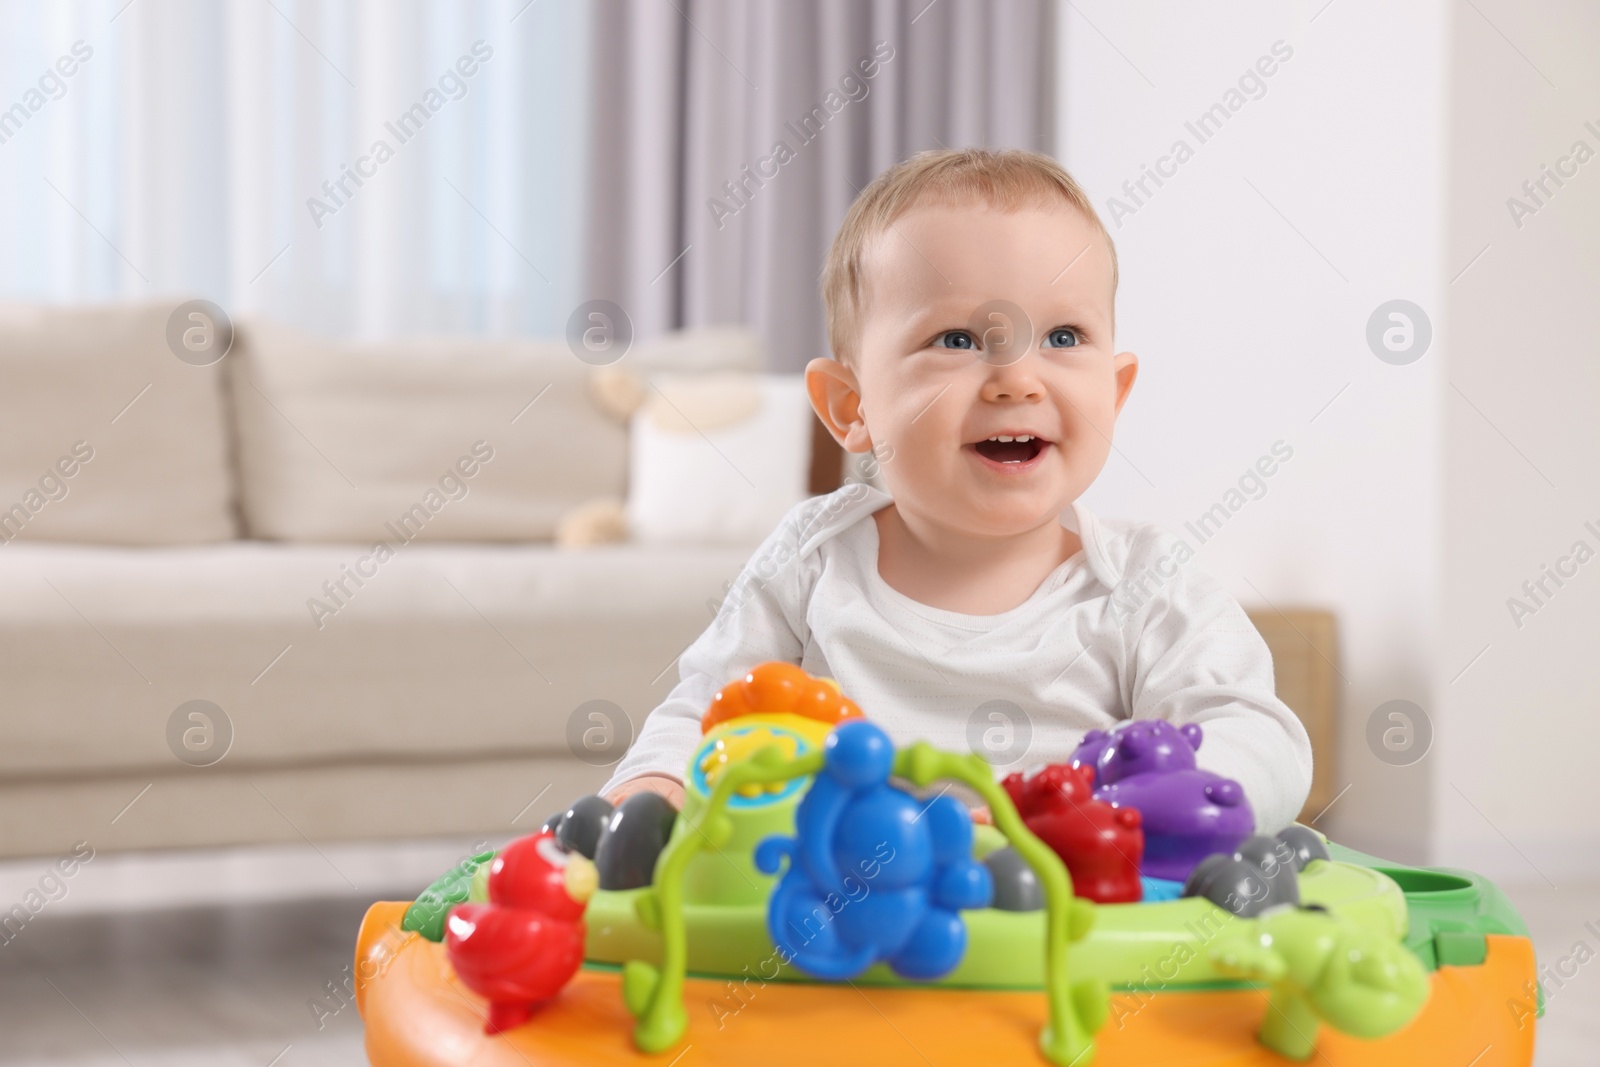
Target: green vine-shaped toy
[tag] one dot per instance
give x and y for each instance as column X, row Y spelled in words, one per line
column 1076, row 1011
column 655, row 996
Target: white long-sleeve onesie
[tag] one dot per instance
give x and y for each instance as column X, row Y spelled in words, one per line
column 1126, row 628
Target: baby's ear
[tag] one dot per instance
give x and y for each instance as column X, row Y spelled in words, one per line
column 836, row 398
column 1126, row 368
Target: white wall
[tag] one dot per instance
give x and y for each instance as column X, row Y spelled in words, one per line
column 1247, row 283
column 1515, row 780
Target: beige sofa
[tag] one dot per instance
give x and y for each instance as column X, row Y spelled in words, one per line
column 210, row 544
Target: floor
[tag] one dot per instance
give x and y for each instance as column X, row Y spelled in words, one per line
column 233, row 986
column 1560, row 920
column 212, row 986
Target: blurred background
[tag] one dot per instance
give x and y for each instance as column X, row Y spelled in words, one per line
column 389, row 393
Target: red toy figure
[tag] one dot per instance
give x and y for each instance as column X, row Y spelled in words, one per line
column 1101, row 845
column 519, row 949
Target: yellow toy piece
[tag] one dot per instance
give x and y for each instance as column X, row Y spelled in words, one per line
column 736, row 745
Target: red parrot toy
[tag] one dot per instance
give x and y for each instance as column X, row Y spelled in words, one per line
column 519, row 949
column 1102, row 846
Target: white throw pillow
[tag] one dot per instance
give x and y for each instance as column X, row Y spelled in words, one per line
column 106, row 436
column 718, row 458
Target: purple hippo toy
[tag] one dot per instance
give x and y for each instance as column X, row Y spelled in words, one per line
column 1088, row 751
column 1188, row 813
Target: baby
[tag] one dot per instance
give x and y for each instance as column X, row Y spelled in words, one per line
column 978, row 605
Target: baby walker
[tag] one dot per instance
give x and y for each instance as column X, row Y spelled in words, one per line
column 822, row 898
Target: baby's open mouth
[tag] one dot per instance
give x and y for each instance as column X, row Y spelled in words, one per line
column 1006, row 449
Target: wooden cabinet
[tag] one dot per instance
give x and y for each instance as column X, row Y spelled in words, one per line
column 1305, row 657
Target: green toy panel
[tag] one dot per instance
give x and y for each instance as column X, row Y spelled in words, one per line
column 1450, row 910
column 1143, row 945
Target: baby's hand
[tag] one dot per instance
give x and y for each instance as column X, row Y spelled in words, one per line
column 670, row 788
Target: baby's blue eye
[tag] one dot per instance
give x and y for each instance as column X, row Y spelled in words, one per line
column 955, row 339
column 1061, row 337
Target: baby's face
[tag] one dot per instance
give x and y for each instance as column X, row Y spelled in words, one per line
column 985, row 363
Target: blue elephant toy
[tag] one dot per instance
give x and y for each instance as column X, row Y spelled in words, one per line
column 874, row 874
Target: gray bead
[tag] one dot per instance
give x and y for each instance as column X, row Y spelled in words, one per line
column 1304, row 843
column 581, row 825
column 1263, row 873
column 632, row 841
column 1016, row 887
column 1275, row 861
column 1230, row 883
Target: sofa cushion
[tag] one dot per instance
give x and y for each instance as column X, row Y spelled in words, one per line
column 442, row 651
column 718, row 458
column 451, row 439
column 105, row 435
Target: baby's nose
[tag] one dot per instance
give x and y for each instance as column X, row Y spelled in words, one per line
column 1013, row 381
column 1013, row 388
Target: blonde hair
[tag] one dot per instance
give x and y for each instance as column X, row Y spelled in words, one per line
column 1007, row 179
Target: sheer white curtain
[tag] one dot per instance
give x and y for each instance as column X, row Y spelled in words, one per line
column 355, row 167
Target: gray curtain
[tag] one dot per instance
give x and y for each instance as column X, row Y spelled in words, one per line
column 729, row 137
